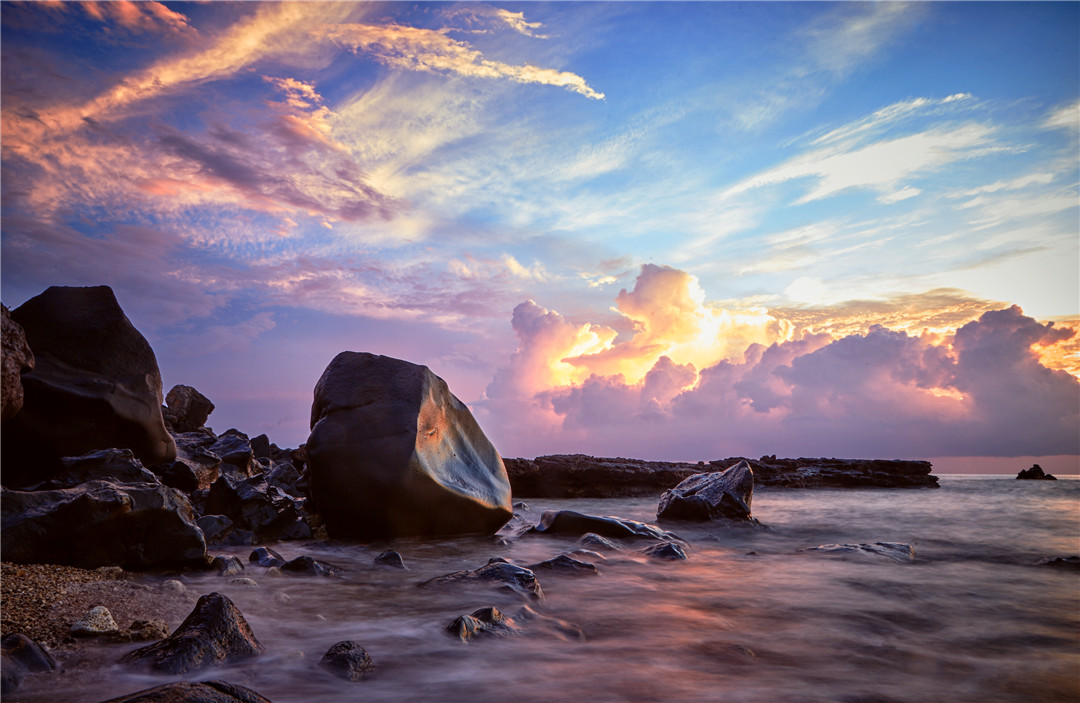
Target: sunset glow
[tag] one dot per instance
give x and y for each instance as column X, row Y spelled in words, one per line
column 662, row 230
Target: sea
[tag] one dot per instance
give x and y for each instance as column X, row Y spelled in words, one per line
column 754, row 614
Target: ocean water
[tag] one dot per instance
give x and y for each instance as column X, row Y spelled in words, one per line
column 749, row 616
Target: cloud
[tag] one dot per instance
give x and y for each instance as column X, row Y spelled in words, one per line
column 140, row 16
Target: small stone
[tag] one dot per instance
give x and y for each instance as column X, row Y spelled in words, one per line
column 245, row 582
column 595, row 541
column 666, row 550
column 174, row 586
column 227, row 565
column 348, row 660
column 144, row 631
column 264, row 556
column 97, row 622
column 391, row 558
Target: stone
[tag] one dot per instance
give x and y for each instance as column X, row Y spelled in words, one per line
column 188, row 409
column 499, row 572
column 665, row 550
column 897, row 551
column 215, row 632
column 595, row 541
column 557, row 627
column 569, row 522
column 565, row 564
column 392, row 453
column 20, row 655
column 97, row 622
column 485, row 621
column 253, row 504
column 193, row 692
column 260, row 447
column 264, row 556
column 234, row 449
column 101, row 523
column 1070, row 562
column 310, row 566
column 1035, row 473
column 95, row 385
column 214, row 527
column 174, row 586
column 392, row 559
column 101, row 464
column 245, row 582
column 227, row 565
column 16, row 359
column 143, row 631
column 348, row 660
column 716, row 495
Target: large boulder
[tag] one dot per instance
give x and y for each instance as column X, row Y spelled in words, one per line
column 16, row 359
column 188, row 409
column 96, row 385
column 717, row 495
column 101, row 523
column 392, row 453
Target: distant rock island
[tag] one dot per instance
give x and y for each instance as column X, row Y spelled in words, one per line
column 582, row 476
column 1035, row 473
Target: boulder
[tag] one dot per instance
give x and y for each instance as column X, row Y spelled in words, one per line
column 392, row 559
column 252, row 504
column 569, row 522
column 95, row 385
column 712, row 496
column 566, row 564
column 17, row 359
column 101, row 523
column 234, row 449
column 665, row 550
column 99, row 465
column 227, row 565
column 97, row 622
column 392, row 452
column 213, row 633
column 1035, row 473
column 20, row 655
column 485, row 621
column 188, row 409
column 215, row 528
column 504, row 575
column 192, row 692
column 309, row 566
column 348, row 660
column 264, row 556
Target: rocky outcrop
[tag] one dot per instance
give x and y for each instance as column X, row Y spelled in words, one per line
column 95, row 385
column 1035, row 473
column 193, row 692
column 581, row 476
column 17, row 359
column 720, row 495
column 187, row 409
column 393, row 453
column 213, row 633
column 101, row 523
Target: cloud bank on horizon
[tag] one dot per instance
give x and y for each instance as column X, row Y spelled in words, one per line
column 669, row 231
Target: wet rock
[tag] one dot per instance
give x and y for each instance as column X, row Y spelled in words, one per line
column 393, row 452
column 245, row 582
column 97, row 622
column 101, row 464
column 348, row 660
column 310, row 566
column 1035, row 473
column 227, row 565
column 264, row 556
column 712, row 496
column 20, row 655
column 569, row 522
column 285, row 476
column 1070, row 562
column 391, row 558
column 143, row 631
column 101, row 523
column 485, row 621
column 896, row 551
column 95, row 385
column 214, row 527
column 565, row 564
column 188, row 409
column 595, row 541
column 193, row 692
column 213, row 633
column 665, row 550
column 252, row 504
column 15, row 360
column 234, row 449
column 499, row 572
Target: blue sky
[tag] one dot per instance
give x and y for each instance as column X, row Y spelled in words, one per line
column 650, row 229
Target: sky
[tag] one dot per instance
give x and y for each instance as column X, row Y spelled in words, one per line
column 680, row 231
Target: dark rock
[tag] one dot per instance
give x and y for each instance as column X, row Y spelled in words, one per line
column 188, row 409
column 192, row 692
column 15, row 360
column 143, row 631
column 565, row 564
column 252, row 504
column 239, row 538
column 101, row 523
column 349, row 661
column 234, row 449
column 96, row 385
column 595, row 541
column 485, row 621
column 665, row 550
column 227, row 565
column 503, row 574
column 118, row 465
column 713, row 496
column 1035, row 473
column 264, row 556
column 213, row 633
column 391, row 558
column 896, row 551
column 214, row 527
column 20, row 655
column 310, row 566
column 1071, row 562
column 260, row 447
column 285, row 476
column 569, row 522
column 393, row 453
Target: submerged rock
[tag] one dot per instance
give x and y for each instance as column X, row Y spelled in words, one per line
column 505, row 575
column 193, row 692
column 665, row 550
column 96, row 385
column 1070, row 562
column 264, row 556
column 485, row 621
column 20, row 655
column 310, row 566
column 1035, row 473
column 896, row 551
column 392, row 559
column 213, row 633
column 348, row 660
column 566, row 564
column 393, row 452
column 717, row 495
column 569, row 522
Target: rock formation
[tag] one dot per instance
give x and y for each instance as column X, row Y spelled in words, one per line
column 1035, row 473
column 713, row 496
column 95, row 385
column 187, row 410
column 17, row 359
column 575, row 524
column 393, row 453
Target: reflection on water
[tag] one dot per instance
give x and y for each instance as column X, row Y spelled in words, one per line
column 747, row 618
